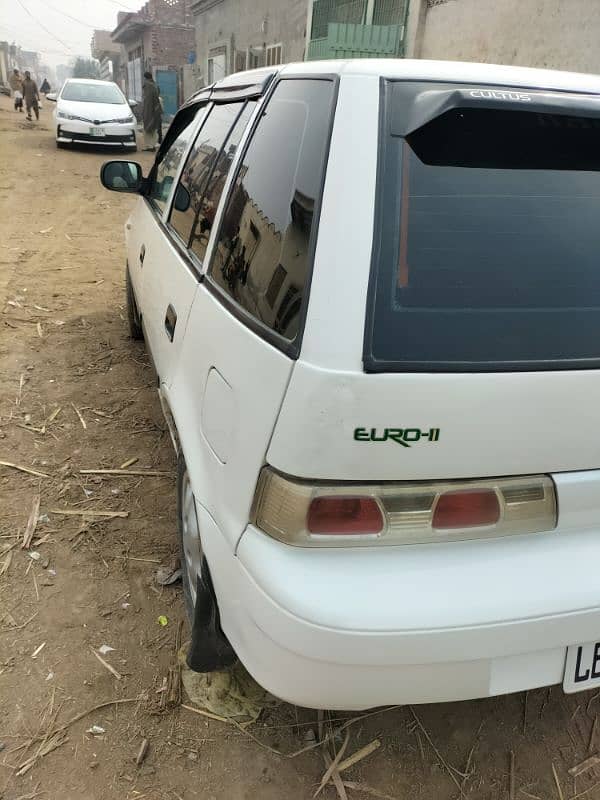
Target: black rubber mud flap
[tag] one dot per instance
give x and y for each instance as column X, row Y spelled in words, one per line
column 209, row 649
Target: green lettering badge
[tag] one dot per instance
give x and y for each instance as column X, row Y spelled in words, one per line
column 405, row 437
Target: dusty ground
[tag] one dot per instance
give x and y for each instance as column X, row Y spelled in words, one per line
column 76, row 393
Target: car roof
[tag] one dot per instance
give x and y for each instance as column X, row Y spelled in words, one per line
column 425, row 70
column 89, row 80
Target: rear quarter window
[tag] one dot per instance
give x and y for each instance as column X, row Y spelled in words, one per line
column 486, row 240
column 263, row 255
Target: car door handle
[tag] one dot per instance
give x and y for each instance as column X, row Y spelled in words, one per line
column 142, row 254
column 170, row 322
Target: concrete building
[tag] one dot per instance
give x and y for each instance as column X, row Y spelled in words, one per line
column 158, row 38
column 30, row 60
column 12, row 56
column 232, row 35
column 537, row 33
column 108, row 53
column 7, row 63
column 356, row 29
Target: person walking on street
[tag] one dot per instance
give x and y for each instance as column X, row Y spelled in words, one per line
column 151, row 112
column 16, row 84
column 45, row 87
column 31, row 95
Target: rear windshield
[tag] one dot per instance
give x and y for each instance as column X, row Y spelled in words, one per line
column 92, row 93
column 487, row 243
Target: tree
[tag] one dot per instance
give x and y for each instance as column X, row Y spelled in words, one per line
column 85, row 68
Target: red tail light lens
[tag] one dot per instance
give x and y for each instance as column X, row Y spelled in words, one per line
column 344, row 515
column 466, row 509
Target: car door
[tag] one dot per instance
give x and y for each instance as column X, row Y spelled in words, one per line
column 163, row 279
column 244, row 330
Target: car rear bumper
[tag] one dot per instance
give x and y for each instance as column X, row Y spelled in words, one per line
column 360, row 628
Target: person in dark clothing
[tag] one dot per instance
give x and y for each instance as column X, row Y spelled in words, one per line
column 31, row 95
column 45, row 87
column 151, row 112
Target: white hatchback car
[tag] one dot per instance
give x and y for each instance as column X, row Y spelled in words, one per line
column 93, row 112
column 371, row 293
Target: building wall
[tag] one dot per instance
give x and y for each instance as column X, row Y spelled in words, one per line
column 231, row 27
column 538, row 33
column 170, row 45
column 5, row 66
column 166, row 41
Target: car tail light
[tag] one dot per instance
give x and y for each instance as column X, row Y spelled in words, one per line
column 344, row 515
column 469, row 508
column 320, row 514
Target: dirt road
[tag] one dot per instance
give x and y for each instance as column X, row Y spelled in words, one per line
column 76, row 394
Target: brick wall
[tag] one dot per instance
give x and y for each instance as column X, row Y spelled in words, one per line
column 170, row 46
column 168, row 12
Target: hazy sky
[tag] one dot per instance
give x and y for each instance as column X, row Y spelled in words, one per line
column 59, row 29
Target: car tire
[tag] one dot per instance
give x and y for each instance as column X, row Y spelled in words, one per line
column 133, row 315
column 210, row 649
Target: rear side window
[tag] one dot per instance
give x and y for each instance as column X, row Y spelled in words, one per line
column 262, row 255
column 215, row 183
column 199, row 164
column 486, row 243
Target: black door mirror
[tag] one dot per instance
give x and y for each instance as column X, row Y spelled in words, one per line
column 182, row 199
column 122, row 176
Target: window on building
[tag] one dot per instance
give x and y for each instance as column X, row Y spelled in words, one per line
column 199, row 165
column 273, row 55
column 134, row 73
column 217, row 65
column 262, row 256
column 389, row 12
column 254, row 57
column 326, row 11
column 240, row 60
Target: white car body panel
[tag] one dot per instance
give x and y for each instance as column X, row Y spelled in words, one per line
column 356, row 627
column 257, row 376
column 520, row 417
column 107, row 116
column 163, row 286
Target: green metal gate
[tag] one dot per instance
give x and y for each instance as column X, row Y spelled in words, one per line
column 357, row 29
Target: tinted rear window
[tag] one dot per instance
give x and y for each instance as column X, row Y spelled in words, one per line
column 487, row 248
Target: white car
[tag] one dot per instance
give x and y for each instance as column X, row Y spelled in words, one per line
column 371, row 293
column 93, row 112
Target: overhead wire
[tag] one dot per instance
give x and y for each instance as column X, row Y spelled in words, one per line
column 68, row 16
column 117, row 3
column 49, row 32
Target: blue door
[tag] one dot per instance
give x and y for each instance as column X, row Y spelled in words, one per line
column 167, row 83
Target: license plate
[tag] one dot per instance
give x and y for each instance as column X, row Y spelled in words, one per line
column 97, row 132
column 582, row 670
